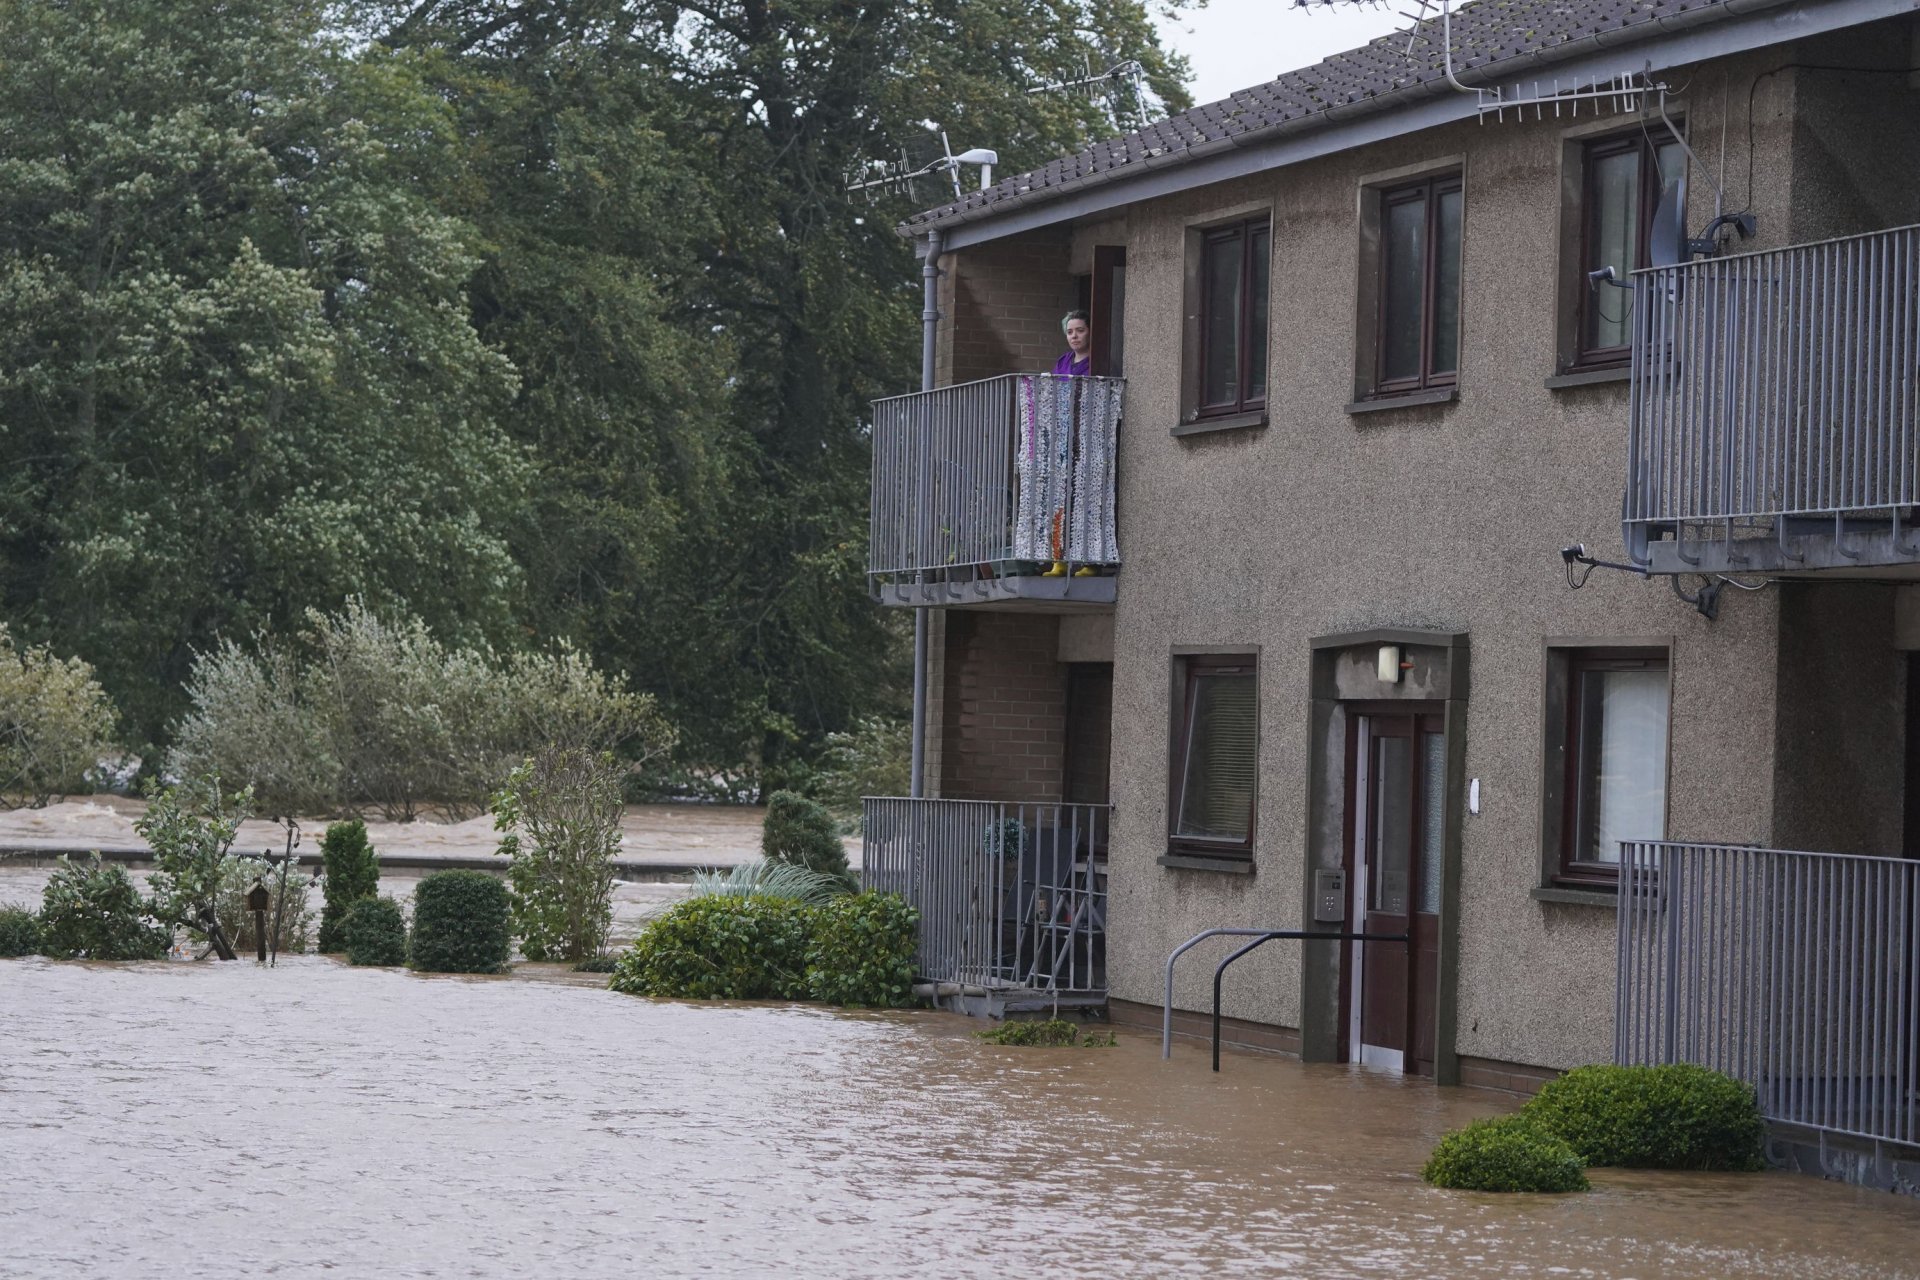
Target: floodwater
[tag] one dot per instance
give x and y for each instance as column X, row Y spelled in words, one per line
column 198, row 1120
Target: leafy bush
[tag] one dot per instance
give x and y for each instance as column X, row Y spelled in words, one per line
column 561, row 811
column 55, row 724
column 358, row 713
column 721, row 948
column 352, row 873
column 761, row 878
column 19, row 932
column 1667, row 1117
column 92, row 911
column 1055, row 1032
column 801, row 832
column 862, row 949
column 460, row 924
column 190, row 828
column 292, row 918
column 1510, row 1153
column 373, row 932
column 873, row 758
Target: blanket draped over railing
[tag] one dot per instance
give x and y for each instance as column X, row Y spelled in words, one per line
column 1065, row 454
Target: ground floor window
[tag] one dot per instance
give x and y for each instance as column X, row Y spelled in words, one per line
column 1612, row 740
column 1215, row 757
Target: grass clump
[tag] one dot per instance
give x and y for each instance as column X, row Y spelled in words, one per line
column 1510, row 1153
column 605, row 962
column 373, row 932
column 1053, row 1033
column 19, row 932
column 460, row 924
column 1677, row 1116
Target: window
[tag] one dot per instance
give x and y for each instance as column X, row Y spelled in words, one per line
column 1418, row 345
column 1214, row 758
column 1234, row 264
column 1614, row 721
column 1622, row 180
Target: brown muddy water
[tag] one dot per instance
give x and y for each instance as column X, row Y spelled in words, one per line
column 206, row 1120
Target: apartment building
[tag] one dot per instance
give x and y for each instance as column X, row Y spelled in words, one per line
column 1287, row 618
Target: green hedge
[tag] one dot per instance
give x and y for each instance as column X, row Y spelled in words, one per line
column 460, row 924
column 373, row 932
column 19, row 932
column 92, row 911
column 850, row 950
column 352, row 873
column 1510, row 1153
column 1668, row 1117
column 801, row 832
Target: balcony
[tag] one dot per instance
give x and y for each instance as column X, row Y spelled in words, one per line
column 1773, row 410
column 997, row 492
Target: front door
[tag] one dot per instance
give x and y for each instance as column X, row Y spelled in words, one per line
column 1400, row 767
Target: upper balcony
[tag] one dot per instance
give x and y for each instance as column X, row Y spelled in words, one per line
column 1774, row 410
column 997, row 492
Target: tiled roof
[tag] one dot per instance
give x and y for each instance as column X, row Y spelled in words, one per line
column 1486, row 34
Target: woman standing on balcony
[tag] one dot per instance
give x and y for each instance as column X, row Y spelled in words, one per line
column 1077, row 360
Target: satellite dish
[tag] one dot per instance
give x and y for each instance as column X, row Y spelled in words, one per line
column 1668, row 238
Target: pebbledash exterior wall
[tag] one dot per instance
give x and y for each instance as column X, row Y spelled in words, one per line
column 1446, row 518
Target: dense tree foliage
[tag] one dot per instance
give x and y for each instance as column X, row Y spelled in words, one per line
column 536, row 319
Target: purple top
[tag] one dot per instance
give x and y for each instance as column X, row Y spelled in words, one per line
column 1068, row 367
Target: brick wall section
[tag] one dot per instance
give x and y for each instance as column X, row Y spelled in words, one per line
column 1003, row 722
column 1002, row 305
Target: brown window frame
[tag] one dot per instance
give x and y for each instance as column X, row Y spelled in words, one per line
column 1241, row 233
column 1587, row 356
column 1194, row 668
column 1569, row 868
column 1430, row 190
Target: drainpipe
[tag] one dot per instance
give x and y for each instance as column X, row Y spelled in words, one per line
column 929, row 340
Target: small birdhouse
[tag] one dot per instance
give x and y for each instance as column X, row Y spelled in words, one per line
column 258, row 897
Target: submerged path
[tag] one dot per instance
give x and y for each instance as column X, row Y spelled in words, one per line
column 180, row 1119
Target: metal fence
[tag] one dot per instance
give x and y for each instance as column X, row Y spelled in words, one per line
column 1011, row 896
column 1775, row 384
column 956, row 469
column 1795, row 972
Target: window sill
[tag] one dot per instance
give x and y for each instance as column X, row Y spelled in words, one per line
column 1188, row 862
column 1595, row 897
column 1589, row 377
column 1227, row 422
column 1405, row 400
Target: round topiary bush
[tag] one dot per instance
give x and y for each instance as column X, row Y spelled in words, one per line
column 352, row 873
column 92, row 911
column 721, row 948
column 1668, row 1117
column 862, row 950
column 19, row 932
column 460, row 924
column 801, row 832
column 373, row 932
column 1510, row 1153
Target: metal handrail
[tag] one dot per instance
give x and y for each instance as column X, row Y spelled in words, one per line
column 1220, row 971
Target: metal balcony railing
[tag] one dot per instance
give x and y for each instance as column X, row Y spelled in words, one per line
column 1773, row 408
column 1012, row 897
column 984, row 474
column 1796, row 972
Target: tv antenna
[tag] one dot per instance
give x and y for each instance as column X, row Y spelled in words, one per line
column 1123, row 85
column 896, row 177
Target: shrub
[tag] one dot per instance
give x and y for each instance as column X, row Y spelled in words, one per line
column 561, row 811
column 373, row 932
column 801, row 832
column 761, row 878
column 293, row 918
column 1510, row 1153
column 1668, row 1117
column 721, row 948
column 19, row 932
column 872, row 758
column 1051, row 1033
column 460, row 924
column 190, row 828
column 360, row 713
column 92, row 911
column 55, row 724
column 862, row 950
column 352, row 873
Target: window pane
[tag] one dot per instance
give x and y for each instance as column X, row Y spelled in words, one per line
column 1613, row 225
column 1220, row 285
column 1446, row 285
column 1433, row 818
column 1623, row 760
column 1260, row 245
column 1216, row 793
column 1392, row 836
column 1404, row 246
